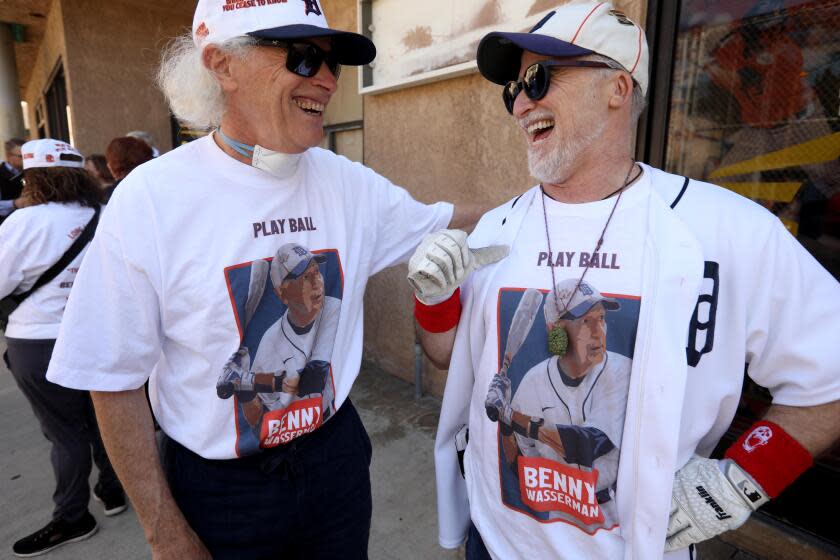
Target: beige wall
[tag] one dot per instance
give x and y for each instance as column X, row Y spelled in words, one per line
column 346, row 104
column 451, row 140
column 112, row 51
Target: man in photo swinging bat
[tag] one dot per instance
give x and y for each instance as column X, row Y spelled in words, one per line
column 568, row 408
column 291, row 345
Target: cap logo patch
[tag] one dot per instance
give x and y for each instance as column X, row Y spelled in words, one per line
column 543, row 21
column 299, row 251
column 621, row 17
column 585, row 289
column 758, row 437
column 50, row 158
column 312, row 7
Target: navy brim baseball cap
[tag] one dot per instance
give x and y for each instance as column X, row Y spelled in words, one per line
column 351, row 49
column 583, row 307
column 301, row 267
column 500, row 54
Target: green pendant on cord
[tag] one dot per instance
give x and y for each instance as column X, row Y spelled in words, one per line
column 558, row 341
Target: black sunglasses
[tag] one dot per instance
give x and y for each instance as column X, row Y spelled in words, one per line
column 537, row 79
column 304, row 58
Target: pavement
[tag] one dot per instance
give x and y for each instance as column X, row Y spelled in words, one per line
column 402, row 430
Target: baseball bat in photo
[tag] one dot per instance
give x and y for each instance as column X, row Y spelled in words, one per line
column 256, row 287
column 520, row 326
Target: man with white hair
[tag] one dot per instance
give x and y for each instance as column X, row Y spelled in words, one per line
column 164, row 292
column 716, row 282
column 293, row 355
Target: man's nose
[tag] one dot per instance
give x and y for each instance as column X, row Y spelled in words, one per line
column 325, row 79
column 522, row 105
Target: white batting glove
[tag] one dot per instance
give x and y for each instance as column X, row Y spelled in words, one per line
column 710, row 497
column 497, row 402
column 443, row 261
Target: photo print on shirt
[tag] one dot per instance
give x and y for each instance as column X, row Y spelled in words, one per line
column 574, row 404
column 280, row 378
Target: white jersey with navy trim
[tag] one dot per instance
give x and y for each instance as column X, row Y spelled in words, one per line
column 724, row 285
column 595, row 402
column 283, row 349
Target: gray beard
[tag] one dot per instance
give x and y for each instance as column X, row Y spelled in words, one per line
column 552, row 164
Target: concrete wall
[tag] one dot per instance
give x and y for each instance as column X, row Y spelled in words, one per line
column 450, row 140
column 11, row 118
column 112, row 51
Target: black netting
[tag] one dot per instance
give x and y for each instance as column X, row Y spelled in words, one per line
column 756, row 108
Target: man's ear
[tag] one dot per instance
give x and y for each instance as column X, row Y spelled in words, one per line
column 218, row 62
column 622, row 90
column 281, row 293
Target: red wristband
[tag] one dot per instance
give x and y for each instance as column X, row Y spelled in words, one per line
column 440, row 317
column 771, row 456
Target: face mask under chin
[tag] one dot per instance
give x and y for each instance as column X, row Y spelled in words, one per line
column 276, row 164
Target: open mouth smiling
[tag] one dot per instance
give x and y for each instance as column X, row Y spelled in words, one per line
column 539, row 129
column 310, row 106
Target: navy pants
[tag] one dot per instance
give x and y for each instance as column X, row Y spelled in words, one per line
column 475, row 549
column 69, row 424
column 309, row 499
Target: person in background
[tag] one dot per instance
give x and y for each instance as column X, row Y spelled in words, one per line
column 122, row 156
column 97, row 165
column 10, row 178
column 62, row 199
column 147, row 138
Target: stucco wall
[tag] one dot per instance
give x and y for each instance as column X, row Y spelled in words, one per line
column 346, row 104
column 112, row 51
column 450, row 140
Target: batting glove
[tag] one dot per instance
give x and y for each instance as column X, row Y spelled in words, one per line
column 443, row 261
column 497, row 403
column 710, row 497
column 235, row 375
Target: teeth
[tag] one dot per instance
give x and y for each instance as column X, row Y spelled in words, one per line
column 537, row 126
column 310, row 105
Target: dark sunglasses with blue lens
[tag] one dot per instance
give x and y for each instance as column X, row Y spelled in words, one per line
column 304, row 58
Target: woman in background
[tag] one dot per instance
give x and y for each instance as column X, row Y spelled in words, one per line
column 61, row 200
column 96, row 165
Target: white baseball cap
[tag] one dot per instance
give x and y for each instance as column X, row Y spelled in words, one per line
column 578, row 28
column 291, row 261
column 50, row 153
column 575, row 302
column 216, row 21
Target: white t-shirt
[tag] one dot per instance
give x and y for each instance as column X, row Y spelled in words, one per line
column 561, row 502
column 32, row 240
column 166, row 280
column 723, row 283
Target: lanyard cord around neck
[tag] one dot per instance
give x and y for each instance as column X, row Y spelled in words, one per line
column 600, row 242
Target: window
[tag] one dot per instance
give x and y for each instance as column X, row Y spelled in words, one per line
column 753, row 106
column 345, row 139
column 55, row 106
